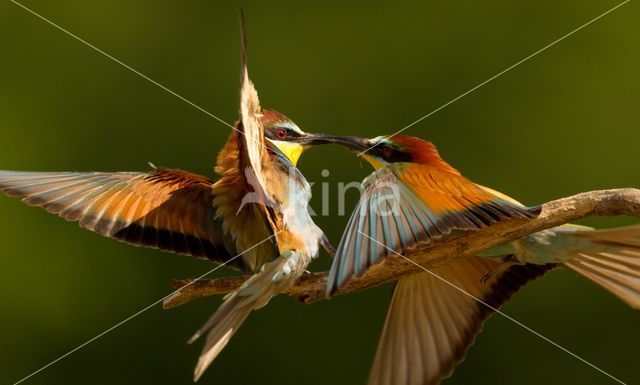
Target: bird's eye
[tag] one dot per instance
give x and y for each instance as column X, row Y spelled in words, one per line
column 387, row 152
column 281, row 134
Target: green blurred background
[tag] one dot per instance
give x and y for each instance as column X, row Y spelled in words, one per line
column 563, row 122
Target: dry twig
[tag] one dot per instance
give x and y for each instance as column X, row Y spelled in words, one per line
column 311, row 287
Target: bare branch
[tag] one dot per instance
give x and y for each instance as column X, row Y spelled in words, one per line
column 311, row 287
column 216, row 286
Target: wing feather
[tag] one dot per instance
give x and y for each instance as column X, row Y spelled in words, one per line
column 166, row 209
column 431, row 325
column 405, row 204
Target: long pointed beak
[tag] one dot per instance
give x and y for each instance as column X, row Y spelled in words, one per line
column 353, row 142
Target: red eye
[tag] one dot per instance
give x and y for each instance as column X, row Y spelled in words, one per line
column 387, row 152
column 281, row 134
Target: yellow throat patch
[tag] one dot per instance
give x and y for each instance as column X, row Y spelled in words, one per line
column 374, row 162
column 291, row 150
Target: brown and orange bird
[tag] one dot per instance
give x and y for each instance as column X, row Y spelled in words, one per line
column 253, row 218
column 414, row 196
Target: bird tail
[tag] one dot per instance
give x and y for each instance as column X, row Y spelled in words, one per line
column 223, row 324
column 611, row 260
column 227, row 319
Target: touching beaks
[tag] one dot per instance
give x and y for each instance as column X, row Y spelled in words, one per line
column 352, row 142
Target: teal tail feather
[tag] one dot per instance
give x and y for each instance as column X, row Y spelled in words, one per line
column 612, row 261
column 610, row 257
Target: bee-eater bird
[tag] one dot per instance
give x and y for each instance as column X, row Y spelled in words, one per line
column 414, row 196
column 257, row 210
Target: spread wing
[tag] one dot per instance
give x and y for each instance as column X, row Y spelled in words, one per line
column 253, row 152
column 166, row 209
column 240, row 198
column 431, row 325
column 404, row 204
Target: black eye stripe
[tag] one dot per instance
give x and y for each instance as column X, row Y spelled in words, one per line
column 391, row 154
column 289, row 132
column 292, row 133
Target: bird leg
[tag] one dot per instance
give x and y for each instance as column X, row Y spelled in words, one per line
column 327, row 246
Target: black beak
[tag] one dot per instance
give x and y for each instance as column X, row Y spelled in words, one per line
column 352, row 142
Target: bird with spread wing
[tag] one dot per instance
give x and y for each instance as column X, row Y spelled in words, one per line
column 413, row 197
column 254, row 218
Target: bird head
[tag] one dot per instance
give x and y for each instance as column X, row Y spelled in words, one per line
column 378, row 151
column 382, row 150
column 284, row 134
